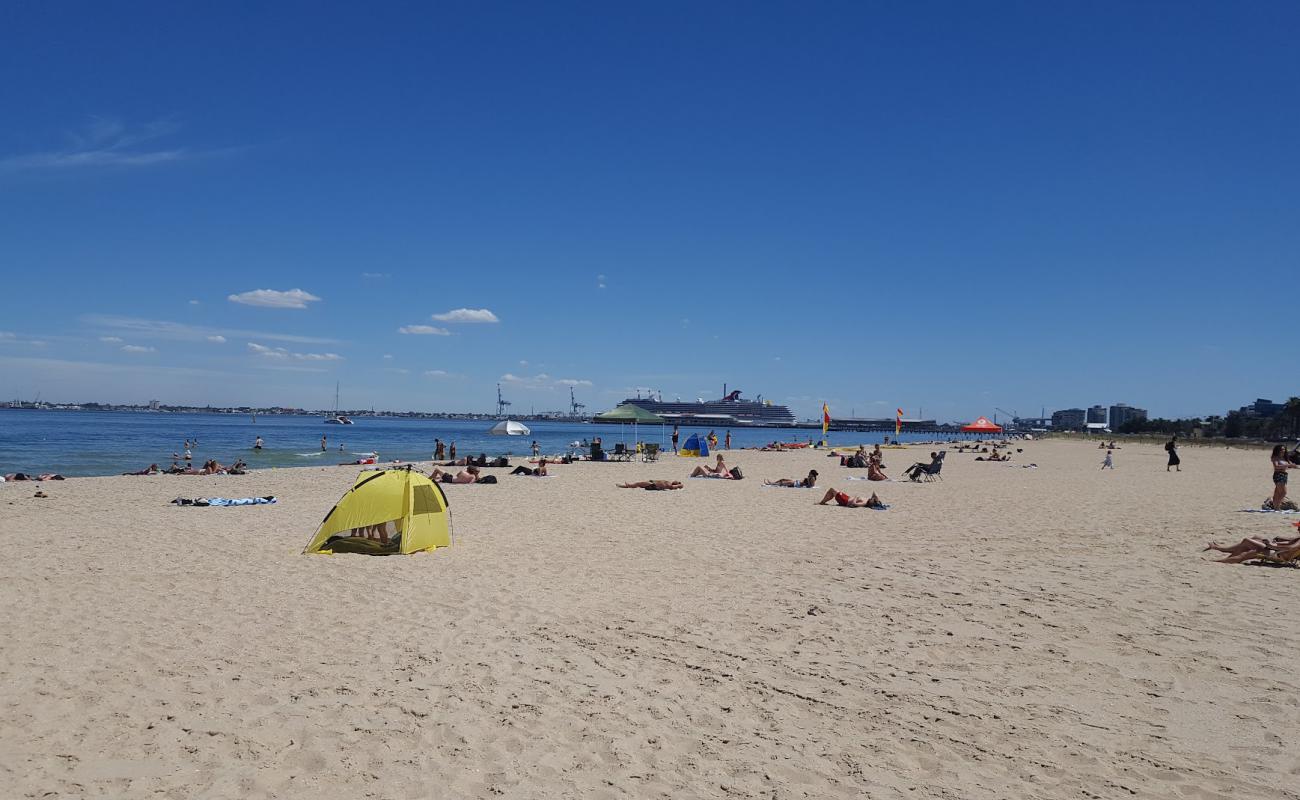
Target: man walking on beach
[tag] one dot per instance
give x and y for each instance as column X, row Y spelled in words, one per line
column 674, row 438
column 1171, row 447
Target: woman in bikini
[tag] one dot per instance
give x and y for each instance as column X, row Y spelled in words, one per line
column 807, row 483
column 848, row 501
column 1280, row 464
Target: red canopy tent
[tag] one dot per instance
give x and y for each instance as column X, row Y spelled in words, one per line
column 982, row 425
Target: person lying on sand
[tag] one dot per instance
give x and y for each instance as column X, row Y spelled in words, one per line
column 848, row 501
column 540, row 472
column 467, row 475
column 152, row 469
column 651, row 486
column 707, row 472
column 807, row 483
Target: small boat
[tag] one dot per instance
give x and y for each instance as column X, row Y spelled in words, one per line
column 337, row 418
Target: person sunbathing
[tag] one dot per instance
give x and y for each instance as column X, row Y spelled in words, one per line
column 874, row 472
column 212, row 467
column 651, row 486
column 540, row 472
column 152, row 469
column 467, row 475
column 848, row 501
column 707, row 472
column 807, row 483
column 1279, row 548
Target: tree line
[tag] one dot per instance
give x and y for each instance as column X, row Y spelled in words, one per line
column 1235, row 425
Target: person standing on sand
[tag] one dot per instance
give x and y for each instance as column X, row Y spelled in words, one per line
column 727, row 441
column 1171, row 447
column 1108, row 463
column 537, row 449
column 674, row 438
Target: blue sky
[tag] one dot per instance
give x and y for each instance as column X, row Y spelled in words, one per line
column 941, row 206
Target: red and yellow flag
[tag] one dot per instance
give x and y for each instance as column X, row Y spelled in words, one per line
column 826, row 418
column 898, row 422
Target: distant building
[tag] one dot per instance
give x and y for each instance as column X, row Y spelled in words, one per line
column 1069, row 419
column 1121, row 413
column 1262, row 408
column 153, row 405
column 1097, row 414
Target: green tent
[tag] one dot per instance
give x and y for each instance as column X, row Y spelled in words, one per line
column 633, row 414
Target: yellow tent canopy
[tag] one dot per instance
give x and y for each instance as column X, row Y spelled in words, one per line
column 384, row 513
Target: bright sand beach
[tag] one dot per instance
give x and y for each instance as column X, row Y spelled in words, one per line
column 1004, row 633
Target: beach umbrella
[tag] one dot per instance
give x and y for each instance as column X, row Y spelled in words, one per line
column 509, row 427
column 630, row 413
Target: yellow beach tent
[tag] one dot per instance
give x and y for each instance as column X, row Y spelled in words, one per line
column 384, row 513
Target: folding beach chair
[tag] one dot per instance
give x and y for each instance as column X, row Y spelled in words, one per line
column 649, row 452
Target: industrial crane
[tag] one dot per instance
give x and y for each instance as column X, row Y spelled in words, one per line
column 1015, row 415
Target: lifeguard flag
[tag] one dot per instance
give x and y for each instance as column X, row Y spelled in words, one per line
column 826, row 418
column 898, row 422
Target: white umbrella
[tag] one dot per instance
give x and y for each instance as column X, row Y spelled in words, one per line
column 509, row 427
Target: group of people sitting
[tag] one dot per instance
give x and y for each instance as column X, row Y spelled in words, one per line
column 994, row 456
column 873, row 462
column 718, row 470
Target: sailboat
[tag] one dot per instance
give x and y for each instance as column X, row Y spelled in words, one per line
column 337, row 419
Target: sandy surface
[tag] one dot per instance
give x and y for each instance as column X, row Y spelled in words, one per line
column 1007, row 632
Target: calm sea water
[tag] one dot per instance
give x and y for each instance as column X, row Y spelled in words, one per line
column 78, row 443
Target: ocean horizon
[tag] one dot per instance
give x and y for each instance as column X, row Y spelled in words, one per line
column 94, row 443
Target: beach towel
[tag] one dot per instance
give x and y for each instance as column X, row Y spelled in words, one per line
column 1265, row 511
column 224, row 501
column 864, row 478
column 783, row 486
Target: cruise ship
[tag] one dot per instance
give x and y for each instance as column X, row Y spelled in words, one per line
column 730, row 410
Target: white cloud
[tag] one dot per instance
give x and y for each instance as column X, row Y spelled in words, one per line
column 8, row 335
column 467, row 315
column 283, row 354
column 424, row 330
column 176, row 331
column 111, row 339
column 523, row 363
column 135, row 348
column 376, row 274
column 397, row 370
column 600, row 281
column 436, row 373
column 272, row 298
column 388, row 356
column 541, row 381
column 194, row 302
column 104, row 142
column 217, row 339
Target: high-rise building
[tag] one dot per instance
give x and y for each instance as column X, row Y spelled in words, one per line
column 1097, row 414
column 1069, row 419
column 1121, row 413
column 1262, row 408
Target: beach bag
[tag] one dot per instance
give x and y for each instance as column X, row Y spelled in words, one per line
column 487, row 479
column 736, row 473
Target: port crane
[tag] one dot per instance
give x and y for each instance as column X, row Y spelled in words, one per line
column 502, row 403
column 1015, row 415
column 575, row 408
